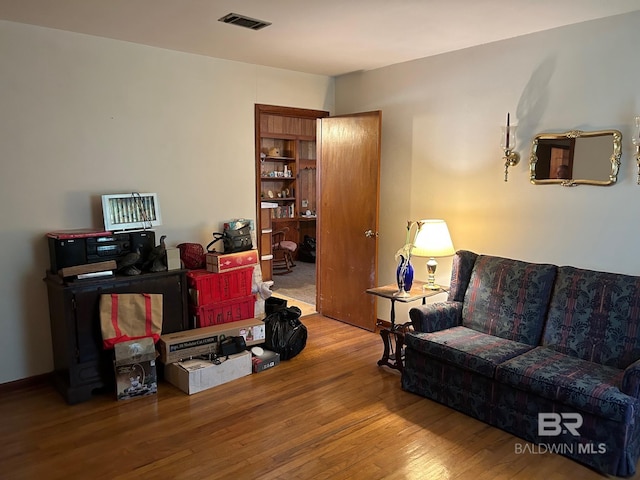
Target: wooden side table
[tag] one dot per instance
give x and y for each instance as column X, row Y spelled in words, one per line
column 392, row 355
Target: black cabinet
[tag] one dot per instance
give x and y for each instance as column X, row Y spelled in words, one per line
column 81, row 364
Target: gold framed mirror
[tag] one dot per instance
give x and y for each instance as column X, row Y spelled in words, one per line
column 576, row 158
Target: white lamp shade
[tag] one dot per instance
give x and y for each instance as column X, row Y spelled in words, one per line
column 433, row 240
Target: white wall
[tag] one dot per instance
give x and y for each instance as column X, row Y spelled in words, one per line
column 83, row 116
column 441, row 155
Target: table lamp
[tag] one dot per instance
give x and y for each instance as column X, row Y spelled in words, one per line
column 433, row 240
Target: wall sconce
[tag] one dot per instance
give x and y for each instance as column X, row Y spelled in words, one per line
column 432, row 241
column 508, row 144
column 636, row 142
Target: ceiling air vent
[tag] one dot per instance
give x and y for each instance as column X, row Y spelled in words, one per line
column 243, row 21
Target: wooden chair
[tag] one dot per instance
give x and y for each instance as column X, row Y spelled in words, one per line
column 283, row 250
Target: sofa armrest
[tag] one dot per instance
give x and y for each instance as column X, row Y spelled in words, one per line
column 631, row 380
column 436, row 316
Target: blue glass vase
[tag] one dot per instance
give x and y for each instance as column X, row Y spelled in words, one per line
column 404, row 274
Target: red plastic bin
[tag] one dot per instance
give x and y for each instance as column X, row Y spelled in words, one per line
column 223, row 312
column 206, row 287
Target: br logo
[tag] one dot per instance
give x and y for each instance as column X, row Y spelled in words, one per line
column 553, row 424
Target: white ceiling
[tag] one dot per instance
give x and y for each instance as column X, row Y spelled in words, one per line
column 328, row 37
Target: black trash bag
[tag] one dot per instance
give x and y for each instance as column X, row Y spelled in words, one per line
column 273, row 304
column 285, row 333
column 307, row 250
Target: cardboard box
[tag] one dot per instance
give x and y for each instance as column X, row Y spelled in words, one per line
column 135, row 367
column 173, row 259
column 109, row 265
column 224, row 262
column 174, row 347
column 193, row 376
column 265, row 361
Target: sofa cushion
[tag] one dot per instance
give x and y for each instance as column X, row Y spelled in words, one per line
column 508, row 298
column 595, row 316
column 584, row 385
column 461, row 269
column 466, row 348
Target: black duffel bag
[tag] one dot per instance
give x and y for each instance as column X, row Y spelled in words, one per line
column 307, row 250
column 285, row 333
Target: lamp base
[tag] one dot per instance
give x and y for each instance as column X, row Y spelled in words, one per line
column 431, row 275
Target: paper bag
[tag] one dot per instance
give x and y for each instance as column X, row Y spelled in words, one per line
column 129, row 316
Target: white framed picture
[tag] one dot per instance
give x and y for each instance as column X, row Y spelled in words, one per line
column 131, row 211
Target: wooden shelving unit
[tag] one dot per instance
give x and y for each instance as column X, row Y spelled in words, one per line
column 286, row 174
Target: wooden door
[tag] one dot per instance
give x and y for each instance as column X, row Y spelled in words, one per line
column 349, row 179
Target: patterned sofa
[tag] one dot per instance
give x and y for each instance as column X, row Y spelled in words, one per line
column 550, row 354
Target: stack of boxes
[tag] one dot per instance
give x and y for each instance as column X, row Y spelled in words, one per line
column 189, row 357
column 221, row 306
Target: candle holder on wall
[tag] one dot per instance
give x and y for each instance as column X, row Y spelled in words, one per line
column 636, row 142
column 508, row 144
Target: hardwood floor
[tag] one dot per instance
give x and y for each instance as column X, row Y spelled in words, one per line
column 329, row 413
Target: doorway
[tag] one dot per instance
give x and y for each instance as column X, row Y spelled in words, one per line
column 298, row 286
column 319, row 175
column 287, row 198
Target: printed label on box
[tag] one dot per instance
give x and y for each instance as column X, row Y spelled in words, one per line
column 201, row 341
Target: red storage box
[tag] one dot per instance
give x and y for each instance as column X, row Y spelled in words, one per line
column 224, row 312
column 206, row 287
